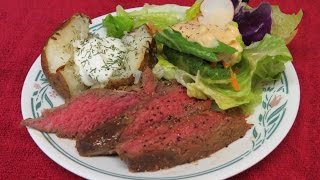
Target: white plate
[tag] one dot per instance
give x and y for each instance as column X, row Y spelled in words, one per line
column 272, row 121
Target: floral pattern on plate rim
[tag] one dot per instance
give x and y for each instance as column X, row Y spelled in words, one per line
column 273, row 108
column 271, row 113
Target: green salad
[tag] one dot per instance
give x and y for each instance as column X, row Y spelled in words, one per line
column 223, row 50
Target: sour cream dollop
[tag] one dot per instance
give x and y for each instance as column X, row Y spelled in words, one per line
column 98, row 58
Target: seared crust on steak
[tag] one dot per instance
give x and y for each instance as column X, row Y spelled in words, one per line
column 181, row 140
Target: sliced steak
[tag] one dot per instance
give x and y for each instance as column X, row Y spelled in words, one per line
column 170, row 100
column 103, row 139
column 171, row 104
column 149, row 81
column 177, row 141
column 84, row 112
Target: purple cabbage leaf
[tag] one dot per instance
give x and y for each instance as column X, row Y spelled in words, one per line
column 255, row 23
column 236, row 3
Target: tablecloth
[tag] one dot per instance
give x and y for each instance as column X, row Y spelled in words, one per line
column 25, row 27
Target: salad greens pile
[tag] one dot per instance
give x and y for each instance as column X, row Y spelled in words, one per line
column 264, row 32
column 175, row 40
column 160, row 16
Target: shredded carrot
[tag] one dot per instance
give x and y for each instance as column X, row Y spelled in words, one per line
column 234, row 83
column 225, row 64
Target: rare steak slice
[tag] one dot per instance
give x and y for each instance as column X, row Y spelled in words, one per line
column 169, row 100
column 173, row 104
column 84, row 112
column 182, row 140
column 170, row 104
column 103, row 139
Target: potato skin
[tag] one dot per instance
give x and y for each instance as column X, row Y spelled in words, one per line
column 150, row 56
column 117, row 83
column 56, row 80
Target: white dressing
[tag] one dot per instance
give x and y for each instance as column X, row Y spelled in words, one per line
column 208, row 35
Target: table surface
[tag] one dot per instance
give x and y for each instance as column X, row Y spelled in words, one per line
column 26, row 27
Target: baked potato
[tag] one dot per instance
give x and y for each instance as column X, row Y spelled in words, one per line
column 57, row 56
column 58, row 64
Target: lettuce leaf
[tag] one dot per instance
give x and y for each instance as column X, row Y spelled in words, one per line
column 223, row 94
column 161, row 16
column 262, row 61
column 194, row 10
column 117, row 25
column 267, row 58
column 175, row 40
column 164, row 69
column 194, row 65
column 285, row 25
